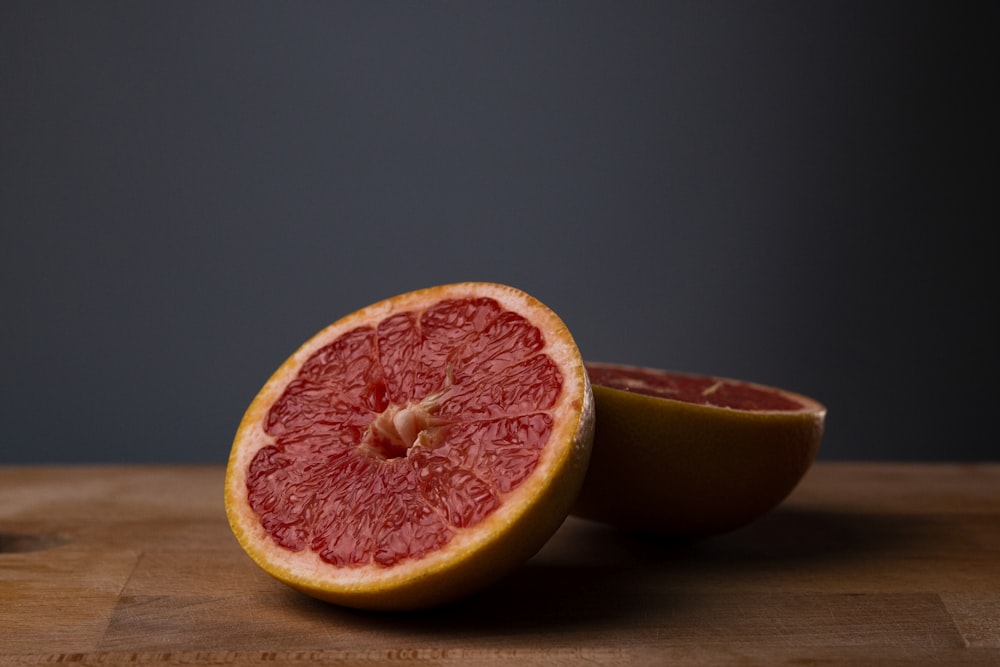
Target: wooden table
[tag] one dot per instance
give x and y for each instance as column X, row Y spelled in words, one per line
column 864, row 563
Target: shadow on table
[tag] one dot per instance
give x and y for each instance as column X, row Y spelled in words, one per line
column 594, row 577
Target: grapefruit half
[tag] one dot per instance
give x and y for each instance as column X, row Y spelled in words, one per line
column 415, row 450
column 686, row 455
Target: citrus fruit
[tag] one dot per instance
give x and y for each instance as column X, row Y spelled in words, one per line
column 688, row 455
column 415, row 450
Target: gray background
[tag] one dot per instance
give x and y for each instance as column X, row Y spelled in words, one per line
column 792, row 193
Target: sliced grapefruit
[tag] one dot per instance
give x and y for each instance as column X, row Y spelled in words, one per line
column 687, row 455
column 413, row 451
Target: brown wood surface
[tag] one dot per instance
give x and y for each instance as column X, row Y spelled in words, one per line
column 863, row 564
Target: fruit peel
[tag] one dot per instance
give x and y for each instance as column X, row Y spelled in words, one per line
column 679, row 469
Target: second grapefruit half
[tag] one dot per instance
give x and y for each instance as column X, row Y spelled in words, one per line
column 685, row 455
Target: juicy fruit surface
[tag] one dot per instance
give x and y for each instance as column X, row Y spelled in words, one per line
column 694, row 389
column 393, row 436
column 415, row 450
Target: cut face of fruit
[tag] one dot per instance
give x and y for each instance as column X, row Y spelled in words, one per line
column 688, row 455
column 695, row 389
column 415, row 450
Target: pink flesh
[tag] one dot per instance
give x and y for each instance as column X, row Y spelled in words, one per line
column 332, row 484
column 695, row 389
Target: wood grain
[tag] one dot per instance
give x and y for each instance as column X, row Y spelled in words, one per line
column 863, row 564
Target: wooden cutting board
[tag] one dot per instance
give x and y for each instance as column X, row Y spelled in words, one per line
column 864, row 563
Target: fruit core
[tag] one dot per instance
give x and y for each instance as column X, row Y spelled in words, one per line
column 395, row 436
column 398, row 428
column 700, row 390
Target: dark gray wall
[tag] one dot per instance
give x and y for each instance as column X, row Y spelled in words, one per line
column 792, row 193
